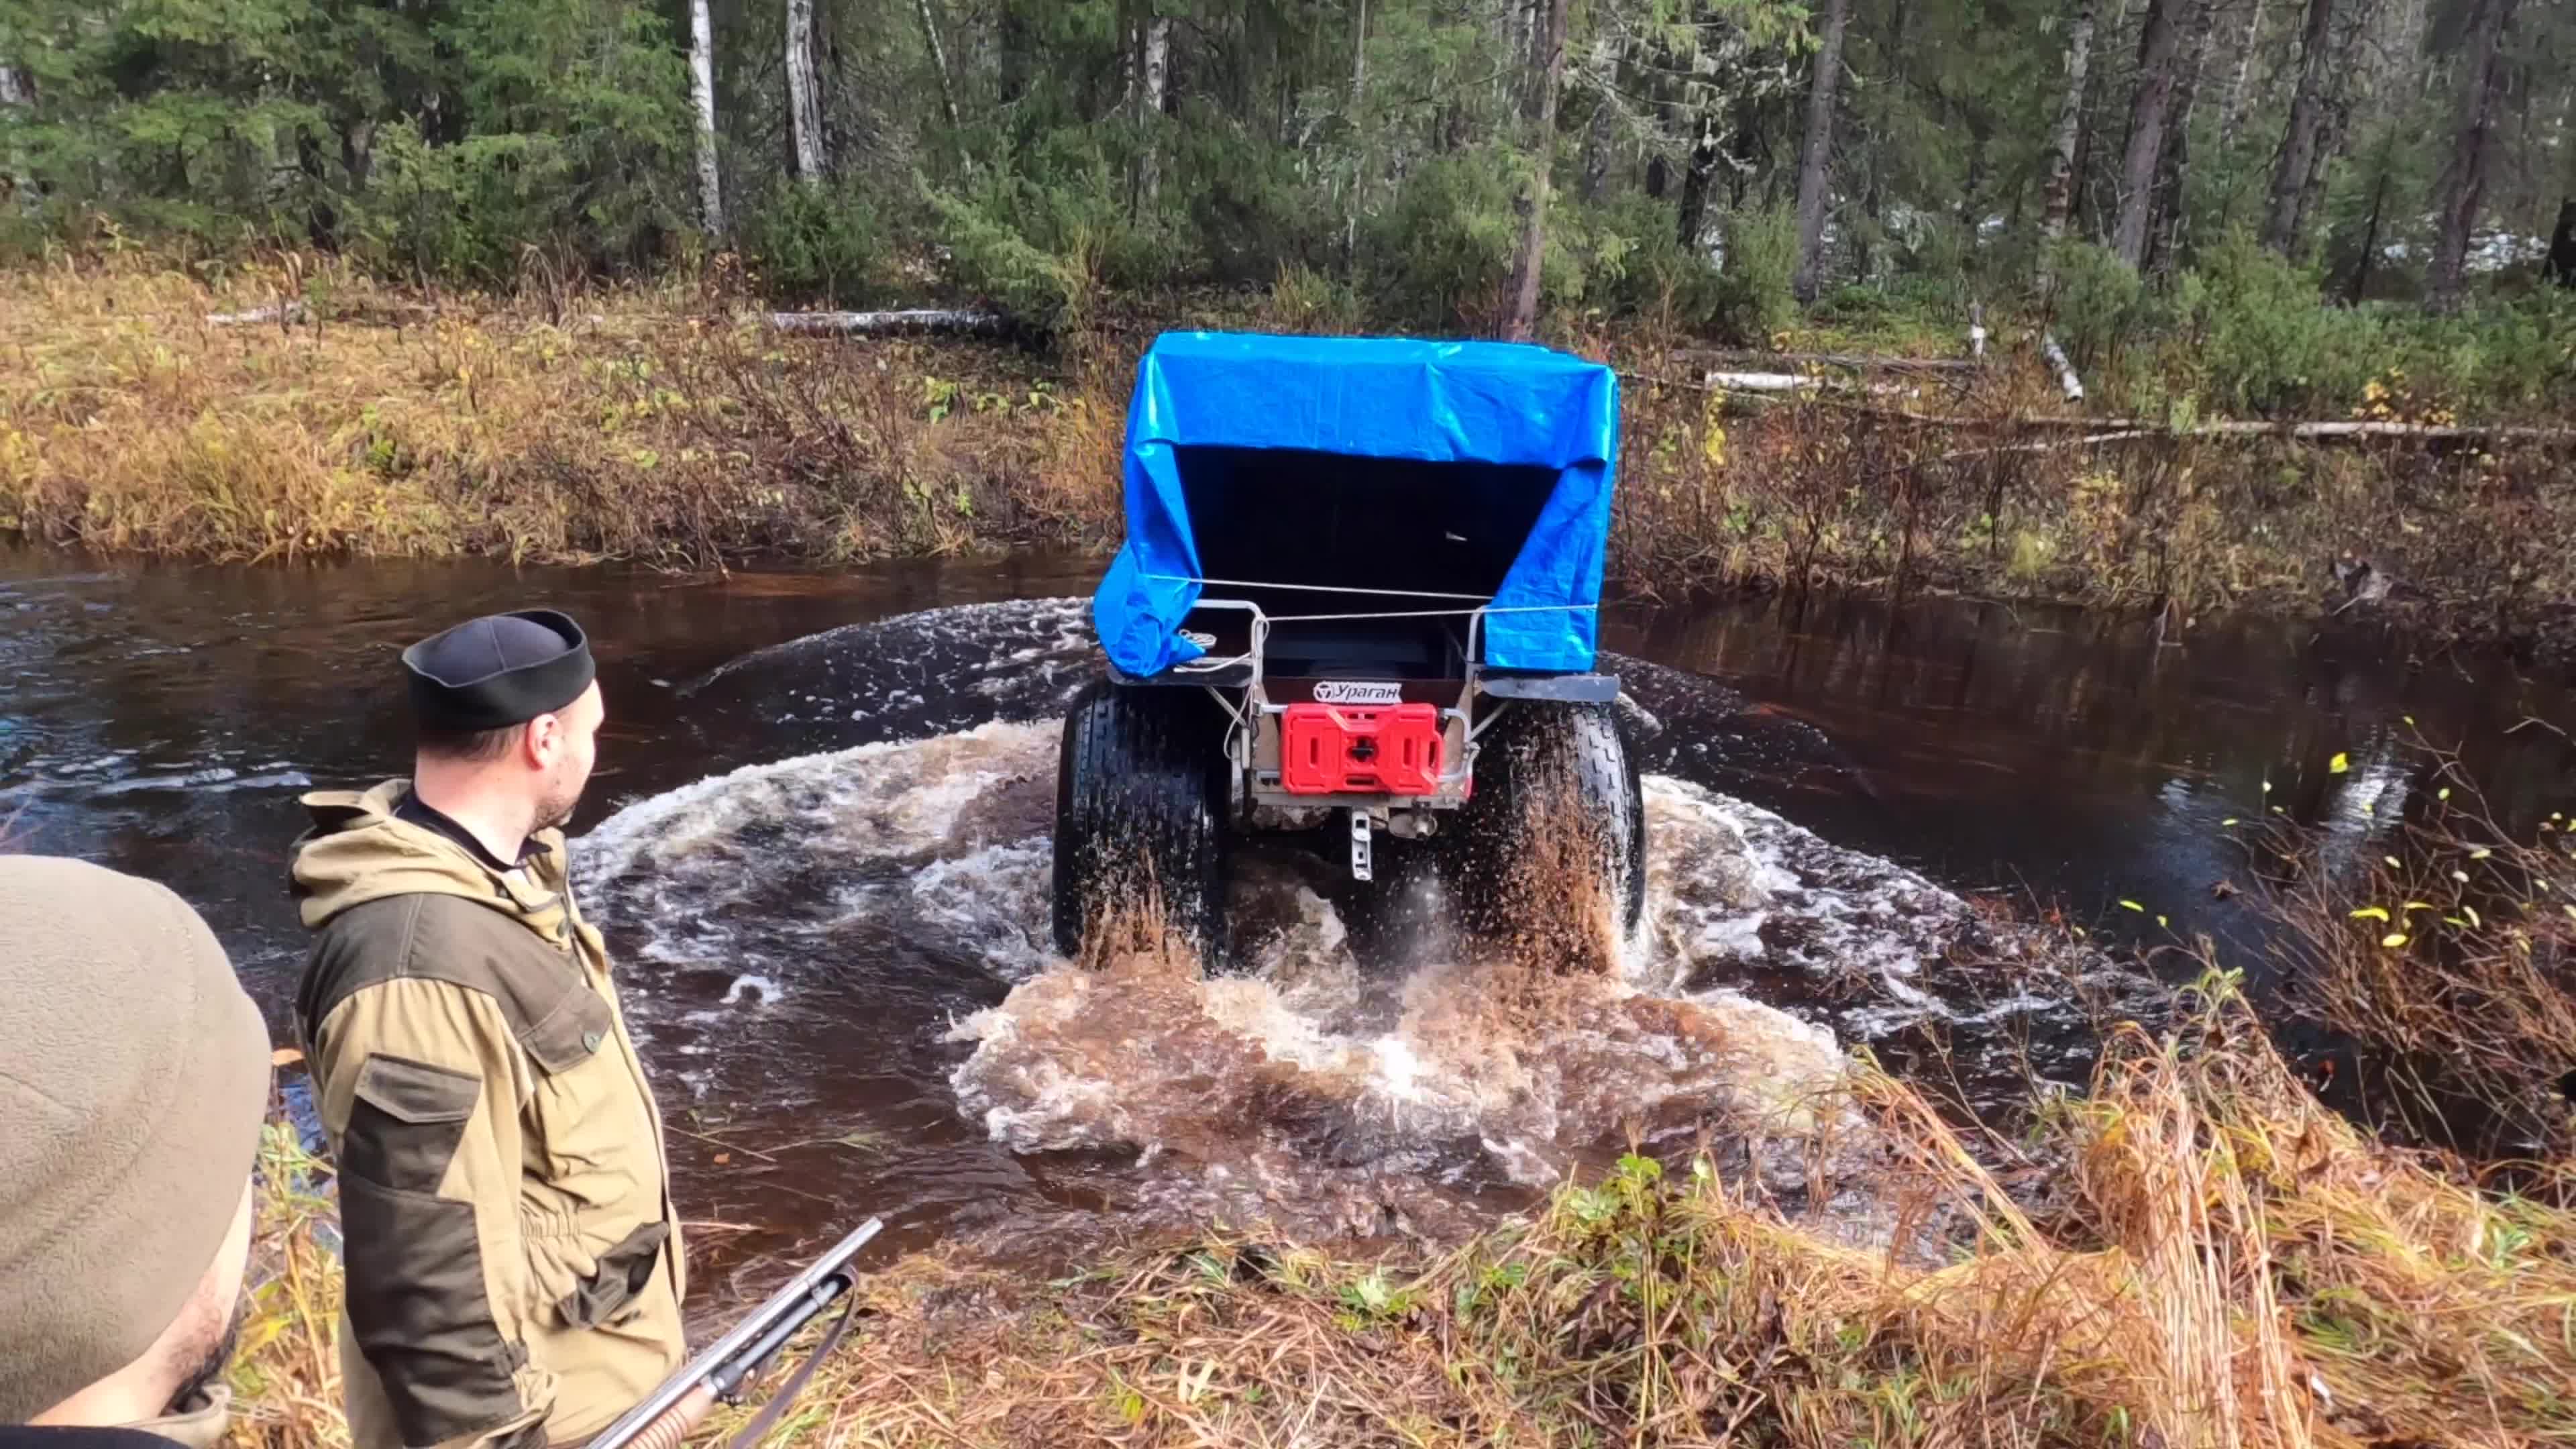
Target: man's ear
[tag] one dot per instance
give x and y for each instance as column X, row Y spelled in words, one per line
column 543, row 738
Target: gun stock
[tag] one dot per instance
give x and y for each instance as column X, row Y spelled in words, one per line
column 666, row 1416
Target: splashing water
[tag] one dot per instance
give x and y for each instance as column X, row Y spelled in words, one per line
column 1351, row 1088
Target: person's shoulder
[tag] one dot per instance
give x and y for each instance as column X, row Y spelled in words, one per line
column 67, row 1436
column 450, row 943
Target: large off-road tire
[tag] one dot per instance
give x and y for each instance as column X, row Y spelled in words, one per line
column 1557, row 810
column 1140, row 820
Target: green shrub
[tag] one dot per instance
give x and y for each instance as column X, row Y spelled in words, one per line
column 1638, row 266
column 1442, row 249
column 1754, row 298
column 2261, row 339
column 2501, row 355
column 1305, row 300
column 814, row 243
column 1246, row 204
column 2097, row 304
column 1045, row 231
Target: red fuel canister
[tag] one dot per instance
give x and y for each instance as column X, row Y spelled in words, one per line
column 1340, row 749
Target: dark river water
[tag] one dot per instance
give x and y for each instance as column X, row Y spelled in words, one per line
column 817, row 841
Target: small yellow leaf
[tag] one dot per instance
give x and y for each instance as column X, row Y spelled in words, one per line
column 2392, row 862
column 2367, row 809
column 2442, row 794
column 2340, row 763
column 2134, row 906
column 2393, row 940
column 2472, row 913
column 2267, row 787
column 2227, row 823
column 2480, row 853
column 2370, row 913
column 2161, row 923
column 2461, row 876
column 2417, row 906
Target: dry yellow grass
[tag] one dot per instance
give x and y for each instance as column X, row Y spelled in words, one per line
column 652, row 423
column 662, row 422
column 2224, row 1263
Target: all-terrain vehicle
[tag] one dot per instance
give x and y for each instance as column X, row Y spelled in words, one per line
column 1357, row 594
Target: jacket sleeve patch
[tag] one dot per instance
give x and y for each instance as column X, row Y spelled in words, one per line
column 418, row 1309
column 407, row 1122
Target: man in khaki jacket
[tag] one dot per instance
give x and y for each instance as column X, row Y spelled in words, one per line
column 514, row 1265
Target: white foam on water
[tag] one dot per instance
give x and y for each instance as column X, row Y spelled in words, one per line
column 1313, row 1067
column 760, row 990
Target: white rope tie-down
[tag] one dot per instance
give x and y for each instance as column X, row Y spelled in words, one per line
column 1484, row 602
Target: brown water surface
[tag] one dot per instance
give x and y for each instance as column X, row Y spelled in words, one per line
column 818, row 842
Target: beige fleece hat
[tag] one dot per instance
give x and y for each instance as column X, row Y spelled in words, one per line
column 134, row 1075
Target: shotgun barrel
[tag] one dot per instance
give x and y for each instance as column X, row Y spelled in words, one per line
column 719, row 1372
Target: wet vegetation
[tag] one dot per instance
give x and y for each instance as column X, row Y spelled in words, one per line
column 2198, row 1250
column 667, row 423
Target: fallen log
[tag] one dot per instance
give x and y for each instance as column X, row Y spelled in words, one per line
column 1849, row 361
column 2310, row 430
column 910, row 321
column 282, row 313
column 2089, row 440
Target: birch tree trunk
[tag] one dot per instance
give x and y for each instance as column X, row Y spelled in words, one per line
column 938, row 60
column 2464, row 177
column 1359, row 113
column 16, row 91
column 804, row 93
column 702, row 94
column 2060, row 204
column 2158, row 43
column 1155, row 63
column 1601, row 134
column 2244, row 71
column 1816, row 156
column 2282, row 222
column 1539, row 114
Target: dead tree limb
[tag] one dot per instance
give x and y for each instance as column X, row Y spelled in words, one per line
column 910, row 321
column 283, row 313
column 1848, row 361
column 2066, row 378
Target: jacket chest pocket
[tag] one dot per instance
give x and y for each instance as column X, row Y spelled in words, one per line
column 586, row 1117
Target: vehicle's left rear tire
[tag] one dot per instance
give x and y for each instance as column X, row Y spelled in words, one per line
column 1140, row 820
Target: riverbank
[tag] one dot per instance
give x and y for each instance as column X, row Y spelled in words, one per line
column 2197, row 1253
column 2197, row 1250
column 667, row 424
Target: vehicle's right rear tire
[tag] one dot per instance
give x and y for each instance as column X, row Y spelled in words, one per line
column 1140, row 821
column 1557, row 810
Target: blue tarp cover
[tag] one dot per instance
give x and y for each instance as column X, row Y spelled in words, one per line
column 1441, row 402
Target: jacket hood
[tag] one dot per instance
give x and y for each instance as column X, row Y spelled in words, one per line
column 358, row 851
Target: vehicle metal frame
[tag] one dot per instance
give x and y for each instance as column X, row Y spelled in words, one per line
column 1236, row 683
